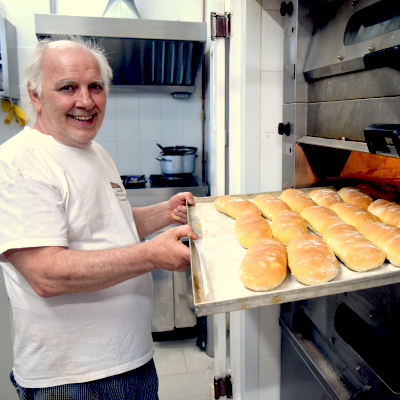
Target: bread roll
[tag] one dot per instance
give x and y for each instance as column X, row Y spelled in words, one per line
column 270, row 205
column 386, row 237
column 311, row 260
column 250, row 228
column 319, row 218
column 287, row 225
column 264, row 266
column 387, row 211
column 353, row 249
column 296, row 200
column 353, row 215
column 325, row 197
column 355, row 197
column 235, row 206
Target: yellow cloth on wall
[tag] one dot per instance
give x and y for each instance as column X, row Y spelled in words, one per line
column 7, row 106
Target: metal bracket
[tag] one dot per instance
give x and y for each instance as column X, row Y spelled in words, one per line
column 220, row 25
column 223, row 387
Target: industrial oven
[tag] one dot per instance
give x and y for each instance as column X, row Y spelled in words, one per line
column 340, row 127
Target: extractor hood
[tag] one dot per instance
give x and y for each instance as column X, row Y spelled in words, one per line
column 145, row 55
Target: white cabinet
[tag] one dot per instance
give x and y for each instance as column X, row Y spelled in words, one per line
column 9, row 80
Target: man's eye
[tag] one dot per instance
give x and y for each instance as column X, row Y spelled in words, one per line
column 66, row 88
column 95, row 86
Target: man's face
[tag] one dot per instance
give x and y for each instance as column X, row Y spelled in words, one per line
column 73, row 101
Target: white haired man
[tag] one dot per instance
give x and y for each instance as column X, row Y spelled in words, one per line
column 77, row 276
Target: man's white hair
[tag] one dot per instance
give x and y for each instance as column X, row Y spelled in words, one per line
column 34, row 70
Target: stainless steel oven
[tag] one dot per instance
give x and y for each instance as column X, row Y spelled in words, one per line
column 340, row 127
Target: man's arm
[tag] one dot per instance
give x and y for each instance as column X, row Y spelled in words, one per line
column 150, row 219
column 53, row 271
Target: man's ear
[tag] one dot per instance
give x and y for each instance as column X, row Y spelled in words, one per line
column 35, row 99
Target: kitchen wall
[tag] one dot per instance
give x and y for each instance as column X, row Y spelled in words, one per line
column 134, row 122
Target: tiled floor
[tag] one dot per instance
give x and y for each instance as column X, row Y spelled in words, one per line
column 184, row 370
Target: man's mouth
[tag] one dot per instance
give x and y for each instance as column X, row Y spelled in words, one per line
column 82, row 118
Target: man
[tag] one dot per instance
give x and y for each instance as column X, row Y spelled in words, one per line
column 78, row 279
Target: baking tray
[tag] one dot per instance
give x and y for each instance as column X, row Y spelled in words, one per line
column 217, row 254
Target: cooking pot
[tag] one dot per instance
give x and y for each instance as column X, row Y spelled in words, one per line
column 177, row 163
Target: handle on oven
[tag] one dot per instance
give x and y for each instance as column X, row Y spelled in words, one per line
column 376, row 134
column 383, row 58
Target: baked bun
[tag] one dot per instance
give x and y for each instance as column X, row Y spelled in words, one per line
column 386, row 237
column 311, row 260
column 235, row 206
column 264, row 266
column 269, row 205
column 287, row 225
column 354, row 250
column 355, row 197
column 250, row 228
column 296, row 200
column 353, row 215
column 387, row 211
column 319, row 218
column 325, row 197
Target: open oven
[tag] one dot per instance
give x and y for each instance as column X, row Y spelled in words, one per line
column 341, row 125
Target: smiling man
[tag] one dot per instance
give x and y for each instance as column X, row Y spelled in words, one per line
column 73, row 99
column 77, row 276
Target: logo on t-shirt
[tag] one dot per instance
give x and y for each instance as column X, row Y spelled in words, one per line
column 118, row 191
column 116, row 186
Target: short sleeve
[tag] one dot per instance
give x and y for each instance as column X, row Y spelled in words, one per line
column 31, row 214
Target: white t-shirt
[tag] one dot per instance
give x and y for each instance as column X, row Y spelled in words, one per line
column 52, row 194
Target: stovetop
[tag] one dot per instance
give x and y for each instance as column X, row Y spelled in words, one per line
column 183, row 180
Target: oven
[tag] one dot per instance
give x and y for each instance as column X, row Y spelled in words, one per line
column 340, row 127
column 173, row 305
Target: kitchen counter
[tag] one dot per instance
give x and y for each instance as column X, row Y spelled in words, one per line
column 148, row 196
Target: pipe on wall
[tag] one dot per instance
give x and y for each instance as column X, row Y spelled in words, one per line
column 53, row 6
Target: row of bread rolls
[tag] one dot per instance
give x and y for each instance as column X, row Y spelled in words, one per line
column 379, row 222
column 264, row 266
column 336, row 225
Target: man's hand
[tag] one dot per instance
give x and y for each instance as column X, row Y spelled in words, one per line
column 167, row 250
column 177, row 206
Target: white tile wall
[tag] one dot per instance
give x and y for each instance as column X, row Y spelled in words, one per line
column 134, row 122
column 271, row 96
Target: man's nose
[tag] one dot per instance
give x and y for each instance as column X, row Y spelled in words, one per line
column 84, row 99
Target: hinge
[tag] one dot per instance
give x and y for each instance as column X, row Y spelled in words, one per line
column 223, row 387
column 220, row 25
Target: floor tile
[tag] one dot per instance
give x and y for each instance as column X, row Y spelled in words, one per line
column 169, row 361
column 196, row 359
column 185, row 386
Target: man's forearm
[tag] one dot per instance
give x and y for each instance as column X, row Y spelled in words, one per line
column 53, row 271
column 150, row 219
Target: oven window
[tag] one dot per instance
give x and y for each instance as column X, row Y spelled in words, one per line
column 376, row 20
column 381, row 355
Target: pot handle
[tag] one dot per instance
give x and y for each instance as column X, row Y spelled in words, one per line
column 163, row 159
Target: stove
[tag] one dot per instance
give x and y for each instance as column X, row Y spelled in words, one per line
column 183, row 180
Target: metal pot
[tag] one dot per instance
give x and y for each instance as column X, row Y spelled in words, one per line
column 177, row 164
column 189, row 163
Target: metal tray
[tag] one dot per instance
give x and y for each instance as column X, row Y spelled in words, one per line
column 217, row 254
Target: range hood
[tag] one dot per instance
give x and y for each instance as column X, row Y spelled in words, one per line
column 145, row 55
